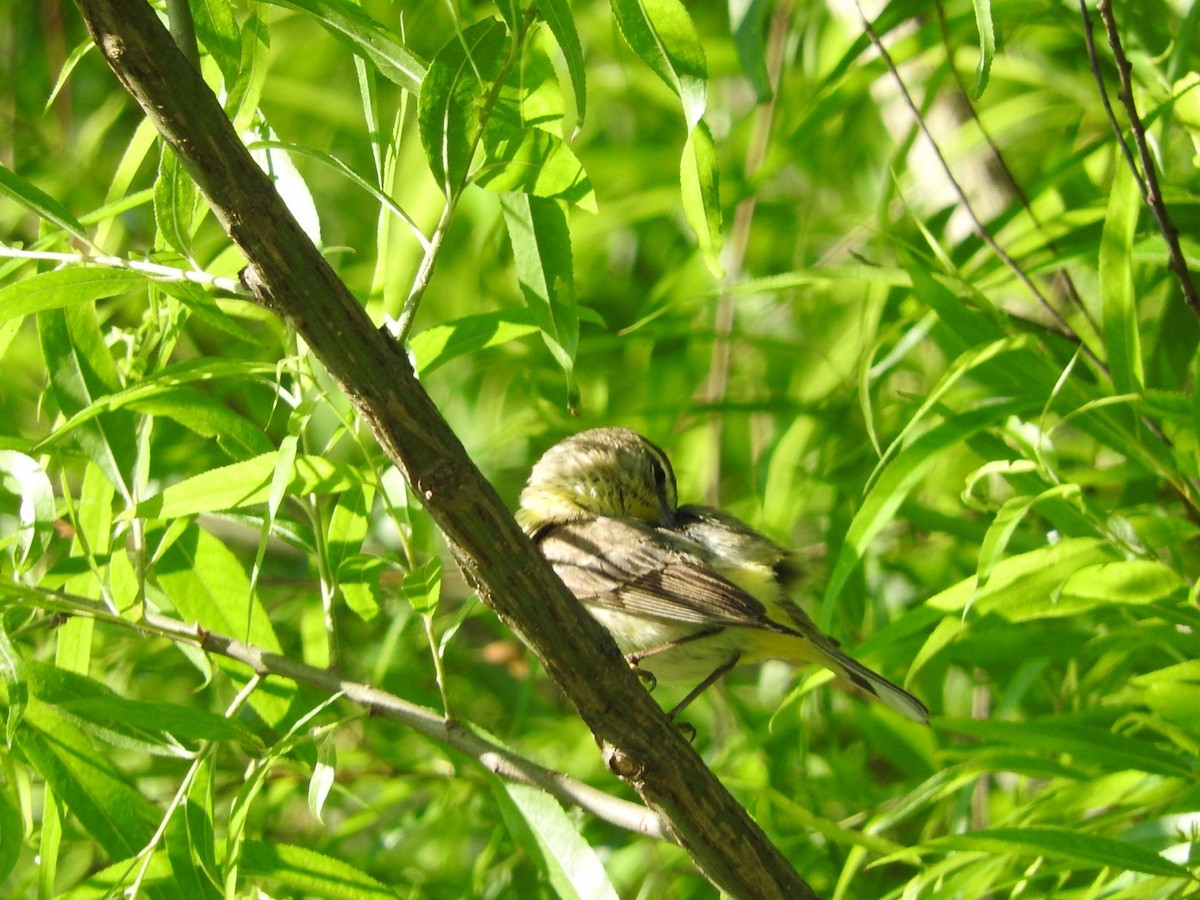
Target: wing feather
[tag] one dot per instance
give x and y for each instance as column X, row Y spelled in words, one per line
column 627, row 565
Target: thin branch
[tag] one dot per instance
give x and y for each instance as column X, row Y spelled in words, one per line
column 1151, row 193
column 381, row 704
column 1094, row 61
column 155, row 271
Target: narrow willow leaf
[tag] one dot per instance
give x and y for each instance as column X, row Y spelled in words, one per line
column 176, row 204
column 369, row 38
column 111, row 881
column 41, row 204
column 323, row 776
column 88, row 700
column 541, row 245
column 436, row 346
column 533, row 161
column 1085, row 743
column 208, row 586
column 700, row 181
column 987, row 46
column 308, row 872
column 895, row 483
column 16, row 685
column 552, row 840
column 24, row 479
column 65, row 287
column 246, row 484
column 205, row 416
column 748, row 21
column 113, row 812
column 358, row 580
column 201, row 304
column 218, row 32
column 1008, row 517
column 1061, row 843
column 423, row 587
column 82, row 372
column 187, row 836
column 663, row 35
column 453, row 93
column 348, row 524
column 557, row 15
column 1116, row 282
column 11, row 833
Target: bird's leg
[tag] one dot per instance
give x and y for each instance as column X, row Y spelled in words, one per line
column 704, row 685
column 635, row 658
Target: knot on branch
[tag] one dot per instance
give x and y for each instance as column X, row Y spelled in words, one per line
column 442, row 479
column 621, row 764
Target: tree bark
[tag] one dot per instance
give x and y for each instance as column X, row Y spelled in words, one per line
column 288, row 275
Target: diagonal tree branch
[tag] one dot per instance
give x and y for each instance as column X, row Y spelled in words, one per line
column 288, row 275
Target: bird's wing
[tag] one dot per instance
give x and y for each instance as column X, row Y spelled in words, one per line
column 627, row 565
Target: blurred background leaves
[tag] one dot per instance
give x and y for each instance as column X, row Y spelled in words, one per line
column 719, row 225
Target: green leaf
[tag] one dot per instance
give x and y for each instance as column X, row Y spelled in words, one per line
column 23, row 478
column 1061, row 843
column 550, row 838
column 906, row 470
column 453, row 94
column 541, row 244
column 358, row 580
column 1116, row 282
column 205, row 416
column 41, row 204
column 987, row 46
column 747, row 20
column 246, row 483
column 436, row 346
column 663, row 35
column 177, row 204
column 700, row 182
column 112, row 811
column 423, row 587
column 369, row 39
column 1008, row 517
column 82, row 372
column 65, row 287
column 208, row 586
column 308, row 872
column 12, row 832
column 557, row 15
column 1084, row 743
column 533, row 161
column 86, row 700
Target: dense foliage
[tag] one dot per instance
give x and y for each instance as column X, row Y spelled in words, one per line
column 952, row 367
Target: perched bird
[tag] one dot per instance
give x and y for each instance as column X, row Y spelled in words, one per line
column 687, row 592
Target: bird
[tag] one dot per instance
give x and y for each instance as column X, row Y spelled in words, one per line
column 687, row 592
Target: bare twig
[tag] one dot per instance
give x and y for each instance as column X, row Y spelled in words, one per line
column 1148, row 181
column 493, row 756
column 154, row 271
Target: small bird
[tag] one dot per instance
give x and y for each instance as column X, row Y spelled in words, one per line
column 687, row 592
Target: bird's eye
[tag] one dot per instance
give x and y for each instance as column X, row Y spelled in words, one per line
column 660, row 476
column 664, row 484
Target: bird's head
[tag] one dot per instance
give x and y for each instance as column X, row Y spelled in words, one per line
column 600, row 472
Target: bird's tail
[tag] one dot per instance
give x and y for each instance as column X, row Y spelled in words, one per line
column 876, row 685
